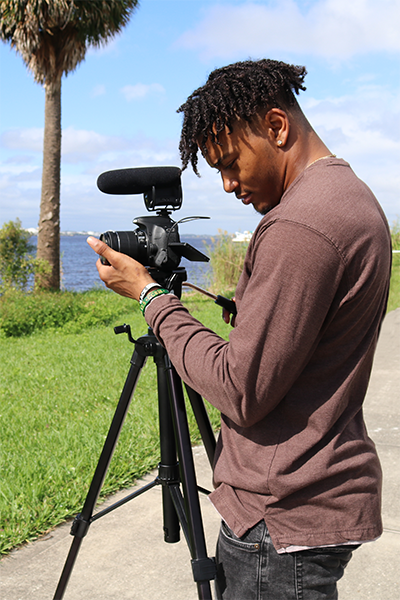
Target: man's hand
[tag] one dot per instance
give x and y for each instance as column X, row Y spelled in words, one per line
column 228, row 316
column 124, row 275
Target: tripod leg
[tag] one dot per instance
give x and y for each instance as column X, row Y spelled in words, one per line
column 82, row 521
column 203, row 422
column 203, row 567
column 168, row 468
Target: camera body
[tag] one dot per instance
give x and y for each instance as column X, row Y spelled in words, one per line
column 152, row 243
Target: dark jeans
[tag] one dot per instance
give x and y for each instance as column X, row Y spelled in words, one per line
column 249, row 568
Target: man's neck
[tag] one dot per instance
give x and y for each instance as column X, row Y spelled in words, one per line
column 306, row 149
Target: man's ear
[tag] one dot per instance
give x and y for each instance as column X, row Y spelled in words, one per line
column 277, row 122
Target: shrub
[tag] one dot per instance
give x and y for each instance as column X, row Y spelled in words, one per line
column 16, row 260
column 395, row 232
column 227, row 259
column 22, row 314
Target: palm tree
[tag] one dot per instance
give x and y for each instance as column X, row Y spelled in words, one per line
column 52, row 37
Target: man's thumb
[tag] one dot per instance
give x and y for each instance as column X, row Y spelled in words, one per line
column 98, row 246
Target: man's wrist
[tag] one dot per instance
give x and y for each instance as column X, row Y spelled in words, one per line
column 150, row 295
column 147, row 289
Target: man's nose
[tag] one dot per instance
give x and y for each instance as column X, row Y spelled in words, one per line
column 230, row 184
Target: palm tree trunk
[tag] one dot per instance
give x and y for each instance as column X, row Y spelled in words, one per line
column 48, row 247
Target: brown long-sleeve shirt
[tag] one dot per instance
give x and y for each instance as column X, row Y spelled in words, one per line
column 290, row 383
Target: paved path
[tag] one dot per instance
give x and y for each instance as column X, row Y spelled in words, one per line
column 124, row 556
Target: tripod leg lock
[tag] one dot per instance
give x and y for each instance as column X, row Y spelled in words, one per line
column 168, row 474
column 79, row 527
column 204, row 569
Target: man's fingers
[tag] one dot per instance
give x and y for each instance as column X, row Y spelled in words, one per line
column 100, row 247
column 226, row 315
column 97, row 245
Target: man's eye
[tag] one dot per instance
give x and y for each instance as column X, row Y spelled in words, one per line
column 230, row 165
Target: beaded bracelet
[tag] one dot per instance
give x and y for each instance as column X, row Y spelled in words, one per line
column 147, row 288
column 150, row 296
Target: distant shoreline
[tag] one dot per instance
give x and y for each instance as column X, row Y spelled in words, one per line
column 34, row 231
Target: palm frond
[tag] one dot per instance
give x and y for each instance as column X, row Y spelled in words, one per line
column 52, row 37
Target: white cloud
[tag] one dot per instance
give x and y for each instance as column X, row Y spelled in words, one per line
column 80, row 145
column 354, row 128
column 141, row 90
column 77, row 145
column 17, row 168
column 334, row 29
column 30, row 139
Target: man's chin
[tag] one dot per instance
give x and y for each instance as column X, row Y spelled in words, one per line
column 264, row 210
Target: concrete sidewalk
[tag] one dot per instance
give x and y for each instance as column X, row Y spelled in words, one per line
column 124, row 556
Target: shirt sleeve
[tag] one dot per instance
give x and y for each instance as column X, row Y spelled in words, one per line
column 285, row 295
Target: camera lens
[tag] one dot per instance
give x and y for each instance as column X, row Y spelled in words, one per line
column 131, row 243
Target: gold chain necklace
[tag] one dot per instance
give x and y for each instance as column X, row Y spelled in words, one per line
column 321, row 158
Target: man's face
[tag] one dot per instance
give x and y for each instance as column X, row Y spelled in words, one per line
column 249, row 163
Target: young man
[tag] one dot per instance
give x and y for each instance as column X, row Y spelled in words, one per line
column 297, row 479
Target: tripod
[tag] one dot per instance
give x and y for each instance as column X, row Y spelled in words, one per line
column 179, row 509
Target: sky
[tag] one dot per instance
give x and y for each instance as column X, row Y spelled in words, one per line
column 119, row 105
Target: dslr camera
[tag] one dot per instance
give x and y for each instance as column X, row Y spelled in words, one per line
column 155, row 243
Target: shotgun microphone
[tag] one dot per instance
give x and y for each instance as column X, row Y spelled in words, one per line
column 139, row 180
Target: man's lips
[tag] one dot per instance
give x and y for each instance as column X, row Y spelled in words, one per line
column 245, row 198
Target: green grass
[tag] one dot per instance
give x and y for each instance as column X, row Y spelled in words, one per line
column 59, row 391
column 394, row 293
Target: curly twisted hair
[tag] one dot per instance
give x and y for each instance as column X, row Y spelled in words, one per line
column 236, row 91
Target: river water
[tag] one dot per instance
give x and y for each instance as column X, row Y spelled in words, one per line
column 78, row 262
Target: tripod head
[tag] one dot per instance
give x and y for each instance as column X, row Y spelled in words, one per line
column 170, row 280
